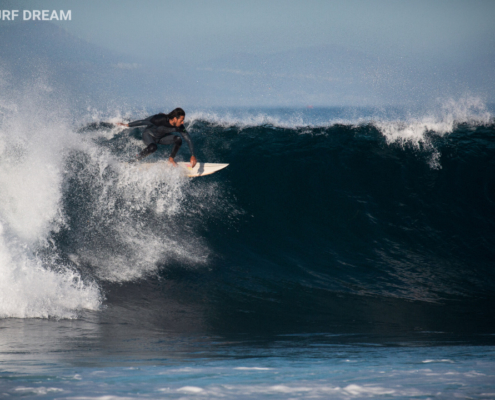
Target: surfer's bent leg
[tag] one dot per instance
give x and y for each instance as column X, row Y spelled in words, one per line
column 147, row 151
column 172, row 139
column 151, row 148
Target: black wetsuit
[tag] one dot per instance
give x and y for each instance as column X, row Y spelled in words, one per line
column 159, row 131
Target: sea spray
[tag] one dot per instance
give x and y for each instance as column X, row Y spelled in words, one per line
column 125, row 224
column 417, row 131
column 32, row 141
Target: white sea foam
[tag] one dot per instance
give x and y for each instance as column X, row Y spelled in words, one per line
column 28, row 288
column 135, row 219
column 228, row 119
column 296, row 390
column 416, row 131
column 440, row 121
column 190, row 389
column 413, row 130
column 440, row 118
column 32, row 139
column 38, row 391
column 126, row 223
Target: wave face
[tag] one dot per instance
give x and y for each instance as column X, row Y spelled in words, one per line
column 388, row 208
column 358, row 221
column 324, row 216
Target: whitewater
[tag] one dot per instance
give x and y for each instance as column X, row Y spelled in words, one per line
column 345, row 253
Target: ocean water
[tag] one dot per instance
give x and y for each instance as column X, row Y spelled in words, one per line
column 344, row 253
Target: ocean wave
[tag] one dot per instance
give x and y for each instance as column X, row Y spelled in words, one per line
column 442, row 117
column 32, row 142
column 403, row 128
column 337, row 205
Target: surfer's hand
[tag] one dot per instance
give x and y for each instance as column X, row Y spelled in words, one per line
column 121, row 124
column 171, row 161
column 193, row 161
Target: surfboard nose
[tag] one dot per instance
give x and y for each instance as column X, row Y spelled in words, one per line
column 201, row 169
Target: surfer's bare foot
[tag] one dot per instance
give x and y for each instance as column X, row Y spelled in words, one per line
column 171, row 161
column 193, row 161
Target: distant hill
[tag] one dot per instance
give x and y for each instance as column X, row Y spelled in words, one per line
column 314, row 75
column 40, row 50
column 324, row 75
column 335, row 75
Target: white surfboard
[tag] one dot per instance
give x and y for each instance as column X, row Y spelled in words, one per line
column 200, row 169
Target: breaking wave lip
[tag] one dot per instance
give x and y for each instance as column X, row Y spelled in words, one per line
column 416, row 130
column 419, row 132
column 34, row 282
column 441, row 118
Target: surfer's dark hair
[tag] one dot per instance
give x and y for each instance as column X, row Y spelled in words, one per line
column 177, row 113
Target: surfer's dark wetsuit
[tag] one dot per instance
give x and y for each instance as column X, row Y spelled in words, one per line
column 159, row 131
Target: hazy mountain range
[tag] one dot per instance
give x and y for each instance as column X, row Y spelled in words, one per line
column 324, row 75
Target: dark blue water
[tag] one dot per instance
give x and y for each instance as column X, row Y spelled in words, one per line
column 343, row 253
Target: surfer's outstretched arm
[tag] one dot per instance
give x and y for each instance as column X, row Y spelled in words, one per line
column 140, row 122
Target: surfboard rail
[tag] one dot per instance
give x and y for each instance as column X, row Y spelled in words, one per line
column 200, row 169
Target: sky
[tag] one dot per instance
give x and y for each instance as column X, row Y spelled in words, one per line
column 417, row 34
column 196, row 29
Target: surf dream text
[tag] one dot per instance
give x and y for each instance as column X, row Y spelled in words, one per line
column 36, row 15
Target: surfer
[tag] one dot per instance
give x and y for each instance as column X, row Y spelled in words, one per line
column 159, row 130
